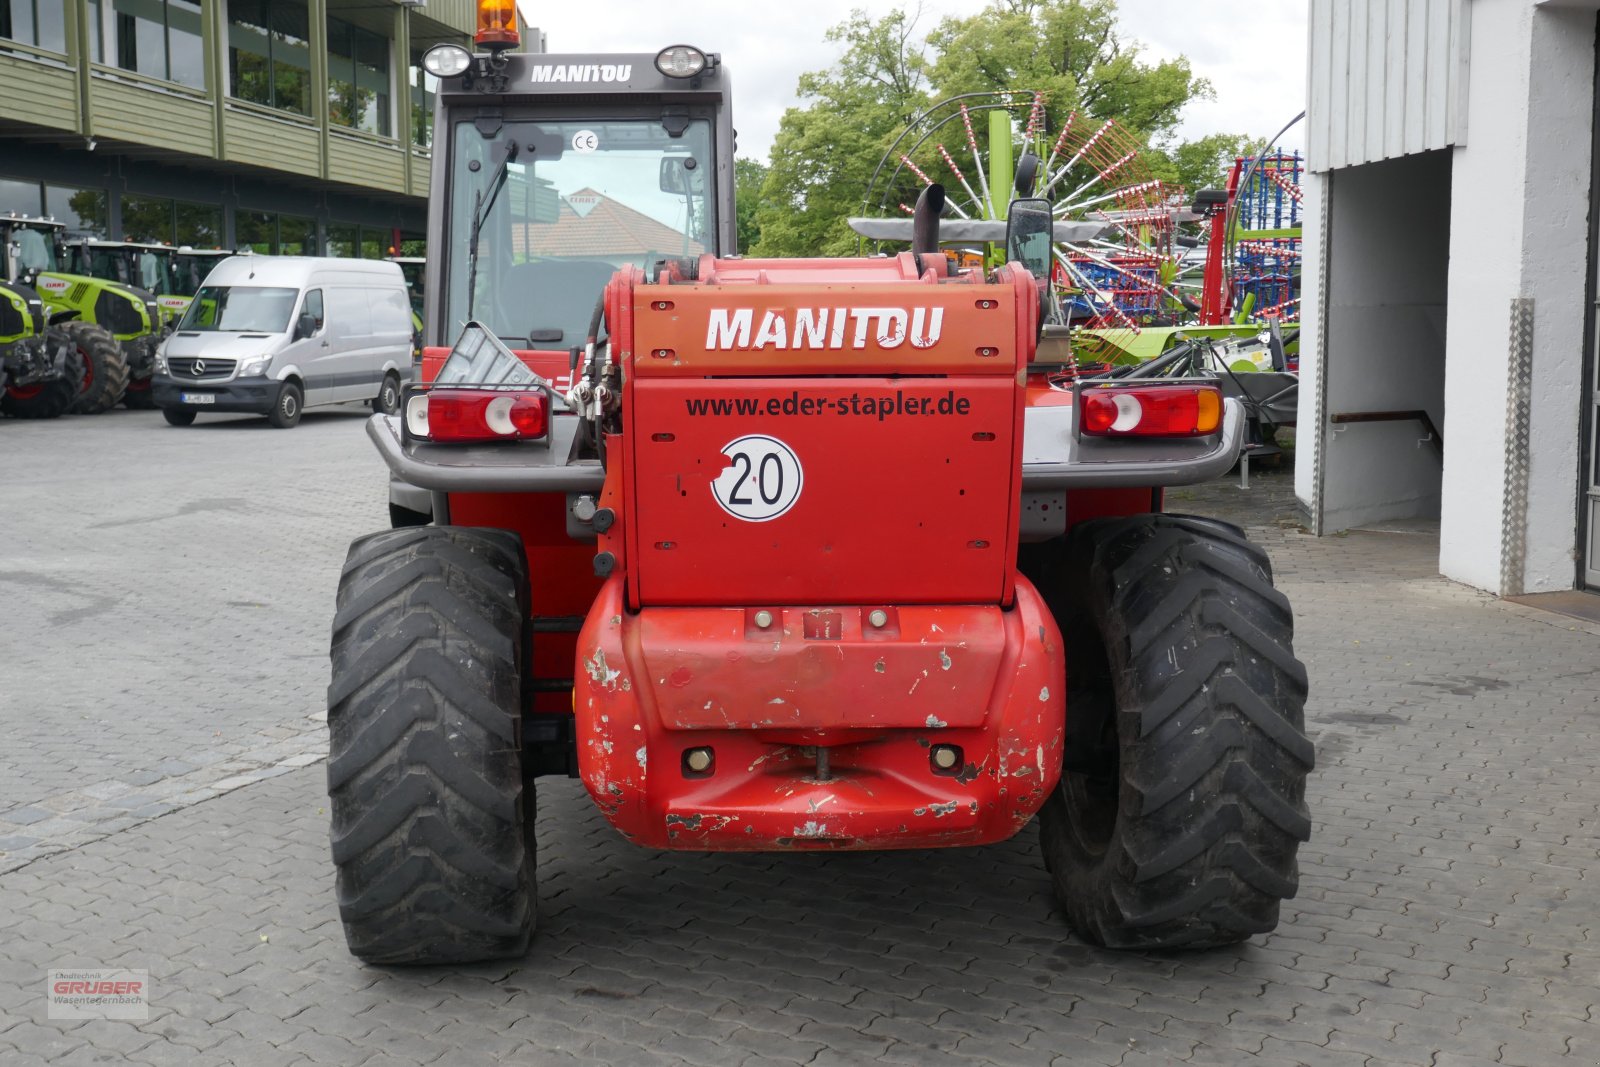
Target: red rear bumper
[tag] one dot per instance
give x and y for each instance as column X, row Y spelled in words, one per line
column 653, row 685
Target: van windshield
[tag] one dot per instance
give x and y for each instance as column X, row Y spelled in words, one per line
column 240, row 309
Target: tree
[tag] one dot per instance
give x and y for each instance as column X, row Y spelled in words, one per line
column 748, row 177
column 1205, row 163
column 827, row 148
column 824, row 153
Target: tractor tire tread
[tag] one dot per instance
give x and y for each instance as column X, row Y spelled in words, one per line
column 106, row 367
column 1213, row 752
column 53, row 400
column 431, row 815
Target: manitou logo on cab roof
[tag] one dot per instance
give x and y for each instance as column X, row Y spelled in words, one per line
column 823, row 328
column 581, row 72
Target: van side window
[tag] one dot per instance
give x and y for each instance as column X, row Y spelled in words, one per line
column 349, row 307
column 313, row 306
column 391, row 309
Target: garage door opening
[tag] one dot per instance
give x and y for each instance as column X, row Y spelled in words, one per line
column 1388, row 256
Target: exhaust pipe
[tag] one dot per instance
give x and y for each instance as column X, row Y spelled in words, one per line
column 925, row 220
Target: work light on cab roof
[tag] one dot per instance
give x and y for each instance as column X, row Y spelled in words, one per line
column 446, row 60
column 683, row 61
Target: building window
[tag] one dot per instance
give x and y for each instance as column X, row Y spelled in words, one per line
column 156, row 38
column 359, row 242
column 21, row 198
column 275, row 235
column 199, row 225
column 147, row 218
column 358, row 78
column 85, row 211
column 343, row 240
column 422, row 87
column 269, row 54
column 297, row 236
column 41, row 23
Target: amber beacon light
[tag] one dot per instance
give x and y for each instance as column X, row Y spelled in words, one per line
column 497, row 24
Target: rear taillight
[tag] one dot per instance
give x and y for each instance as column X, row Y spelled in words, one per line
column 453, row 415
column 497, row 24
column 1151, row 411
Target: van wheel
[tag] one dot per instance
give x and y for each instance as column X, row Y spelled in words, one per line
column 285, row 411
column 387, row 402
column 177, row 416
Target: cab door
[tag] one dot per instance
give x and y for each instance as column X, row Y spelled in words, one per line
column 311, row 351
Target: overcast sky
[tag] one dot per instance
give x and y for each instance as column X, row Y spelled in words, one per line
column 1253, row 53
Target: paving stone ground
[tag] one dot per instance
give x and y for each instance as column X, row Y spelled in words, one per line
column 166, row 596
column 1447, row 913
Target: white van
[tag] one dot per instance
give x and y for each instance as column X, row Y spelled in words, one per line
column 278, row 334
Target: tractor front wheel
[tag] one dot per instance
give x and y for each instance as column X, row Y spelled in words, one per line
column 432, row 821
column 40, row 400
column 105, row 369
column 140, row 395
column 1182, row 803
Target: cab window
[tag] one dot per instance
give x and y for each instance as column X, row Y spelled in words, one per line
column 313, row 306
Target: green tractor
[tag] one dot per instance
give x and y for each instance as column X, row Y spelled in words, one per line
column 50, row 359
column 98, row 285
column 415, row 270
column 187, row 268
column 173, row 274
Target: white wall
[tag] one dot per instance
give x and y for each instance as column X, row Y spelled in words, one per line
column 1520, row 230
column 1488, row 186
column 1555, row 252
column 1385, row 79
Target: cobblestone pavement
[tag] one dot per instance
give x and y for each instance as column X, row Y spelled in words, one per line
column 1446, row 916
column 166, row 596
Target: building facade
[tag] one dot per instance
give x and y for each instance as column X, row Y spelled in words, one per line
column 286, row 126
column 1450, row 253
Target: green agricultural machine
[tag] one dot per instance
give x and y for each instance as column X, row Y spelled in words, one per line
column 120, row 282
column 415, row 269
column 186, row 271
column 50, row 359
column 174, row 275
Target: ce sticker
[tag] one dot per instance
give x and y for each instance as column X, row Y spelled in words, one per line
column 763, row 478
column 585, row 142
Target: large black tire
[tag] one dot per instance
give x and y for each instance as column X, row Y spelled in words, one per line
column 387, row 402
column 140, row 395
column 105, row 369
column 41, row 400
column 285, row 413
column 432, row 823
column 1182, row 805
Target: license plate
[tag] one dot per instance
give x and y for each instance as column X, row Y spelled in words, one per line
column 198, row 398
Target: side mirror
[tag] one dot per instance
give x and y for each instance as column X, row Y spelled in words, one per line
column 305, row 326
column 681, row 175
column 1029, row 231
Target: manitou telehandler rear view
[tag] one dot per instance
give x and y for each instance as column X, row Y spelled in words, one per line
column 781, row 555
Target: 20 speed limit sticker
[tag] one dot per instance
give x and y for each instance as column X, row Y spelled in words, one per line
column 762, row 480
